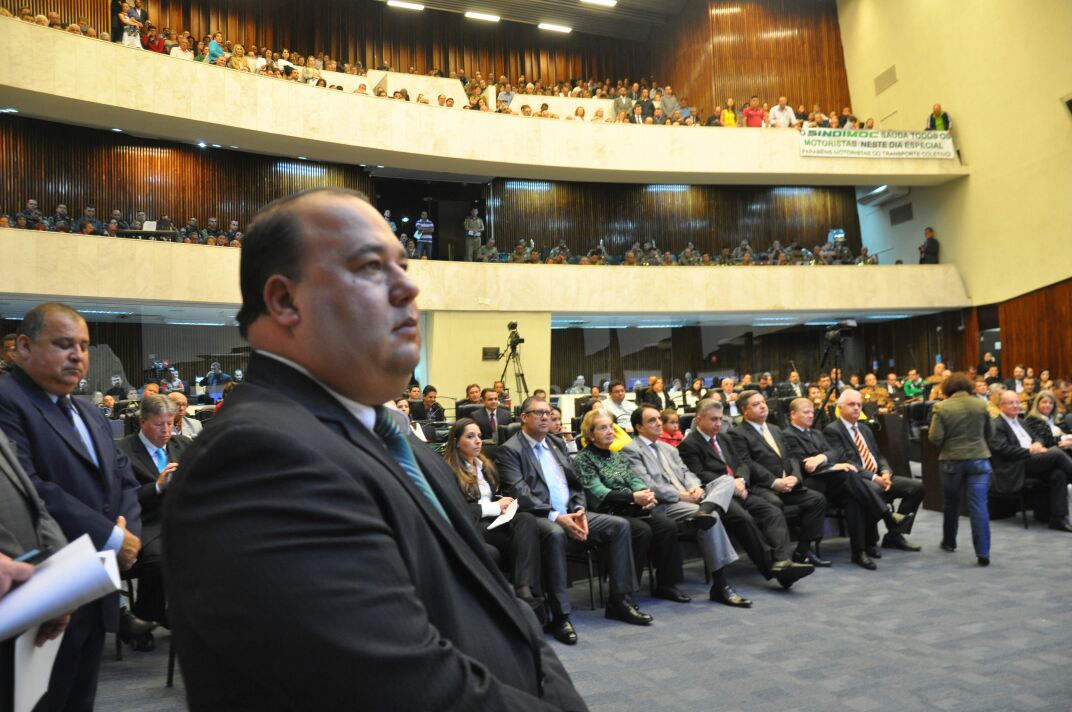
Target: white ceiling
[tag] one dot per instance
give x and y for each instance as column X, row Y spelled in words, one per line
column 629, row 20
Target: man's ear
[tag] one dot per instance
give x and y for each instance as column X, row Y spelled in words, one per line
column 279, row 301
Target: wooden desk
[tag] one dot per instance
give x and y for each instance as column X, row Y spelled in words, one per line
column 932, row 480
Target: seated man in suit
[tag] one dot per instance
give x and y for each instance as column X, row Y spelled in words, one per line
column 681, row 497
column 154, row 453
column 1014, row 454
column 427, row 408
column 841, row 482
column 316, row 556
column 491, row 417
column 65, row 446
column 856, row 444
column 472, row 395
column 775, row 476
column 894, row 392
column 874, row 393
column 727, row 395
column 535, row 470
column 758, row 524
column 184, row 424
column 792, row 388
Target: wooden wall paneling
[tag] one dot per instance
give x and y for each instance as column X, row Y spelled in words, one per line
column 711, row 217
column 682, row 56
column 78, row 167
column 970, row 338
column 1035, row 330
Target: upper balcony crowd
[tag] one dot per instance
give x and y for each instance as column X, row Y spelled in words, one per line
column 644, row 101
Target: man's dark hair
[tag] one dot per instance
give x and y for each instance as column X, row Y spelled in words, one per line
column 526, row 404
column 957, row 382
column 273, row 245
column 429, row 389
column 614, row 384
column 485, row 391
column 10, row 337
column 637, row 416
column 746, row 396
column 34, row 321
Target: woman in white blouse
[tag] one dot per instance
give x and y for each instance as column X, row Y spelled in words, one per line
column 517, row 542
column 403, row 405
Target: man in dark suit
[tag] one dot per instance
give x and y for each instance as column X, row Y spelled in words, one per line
column 154, row 453
column 535, row 470
column 775, row 476
column 840, row 482
column 65, row 446
column 1014, row 453
column 315, row 557
column 928, row 251
column 792, row 388
column 427, row 408
column 491, row 417
column 856, row 444
column 757, row 523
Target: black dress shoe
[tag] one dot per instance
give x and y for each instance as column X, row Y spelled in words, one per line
column 948, row 547
column 983, row 560
column 861, row 559
column 874, row 552
column 671, row 593
column 787, row 573
column 562, row 630
column 902, row 523
column 626, row 611
column 810, row 557
column 702, row 521
column 899, row 542
column 1060, row 525
column 135, row 632
column 725, row 594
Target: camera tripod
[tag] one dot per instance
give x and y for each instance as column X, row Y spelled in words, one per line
column 837, row 348
column 513, row 358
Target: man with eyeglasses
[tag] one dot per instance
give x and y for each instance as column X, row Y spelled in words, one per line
column 536, row 471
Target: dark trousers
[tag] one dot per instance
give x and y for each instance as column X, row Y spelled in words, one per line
column 812, row 506
column 760, row 527
column 151, row 602
column 862, row 501
column 612, row 534
column 654, row 539
column 1056, row 466
column 910, row 492
column 518, row 543
column 73, row 685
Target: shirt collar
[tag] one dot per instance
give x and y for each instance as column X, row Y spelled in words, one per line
column 648, row 442
column 847, row 424
column 759, row 427
column 365, row 414
column 1011, row 421
column 149, row 444
column 532, row 441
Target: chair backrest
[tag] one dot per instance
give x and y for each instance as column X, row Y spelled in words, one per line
column 466, row 410
column 508, row 432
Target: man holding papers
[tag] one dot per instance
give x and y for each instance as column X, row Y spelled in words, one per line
column 65, row 447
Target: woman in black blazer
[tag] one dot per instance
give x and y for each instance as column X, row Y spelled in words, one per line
column 656, row 396
column 517, row 541
column 1041, row 422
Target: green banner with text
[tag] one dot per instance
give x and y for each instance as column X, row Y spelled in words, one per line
column 850, row 143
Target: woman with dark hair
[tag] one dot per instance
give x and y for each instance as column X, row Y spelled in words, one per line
column 518, row 540
column 696, row 392
column 612, row 488
column 960, row 426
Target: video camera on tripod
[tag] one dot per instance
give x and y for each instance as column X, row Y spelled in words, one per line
column 836, row 335
column 514, row 340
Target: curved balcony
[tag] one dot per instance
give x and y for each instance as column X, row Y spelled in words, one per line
column 71, row 79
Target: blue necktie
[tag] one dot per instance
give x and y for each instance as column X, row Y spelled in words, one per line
column 161, row 459
column 67, row 408
column 396, row 444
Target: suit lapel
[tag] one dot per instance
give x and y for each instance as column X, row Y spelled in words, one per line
column 51, row 414
column 8, row 468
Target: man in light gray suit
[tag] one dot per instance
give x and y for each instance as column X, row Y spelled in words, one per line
column 682, row 497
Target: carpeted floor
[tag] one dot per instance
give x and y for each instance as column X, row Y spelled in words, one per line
column 927, row 631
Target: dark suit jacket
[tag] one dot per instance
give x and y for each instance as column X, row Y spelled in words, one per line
column 522, row 477
column 764, row 464
column 25, row 524
column 305, row 570
column 841, row 440
column 929, row 254
column 417, row 411
column 789, row 390
column 659, row 400
column 146, row 473
column 1007, row 457
column 502, row 419
column 81, row 497
column 802, row 446
column 698, row 456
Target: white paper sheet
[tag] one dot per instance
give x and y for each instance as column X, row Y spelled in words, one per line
column 511, row 510
column 33, row 668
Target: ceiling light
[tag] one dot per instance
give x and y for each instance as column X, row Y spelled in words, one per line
column 405, row 5
column 232, row 147
column 302, row 158
column 196, row 323
column 482, row 16
column 9, row 110
column 604, row 3
column 118, row 130
column 216, row 145
column 732, row 10
column 202, row 144
column 554, row 28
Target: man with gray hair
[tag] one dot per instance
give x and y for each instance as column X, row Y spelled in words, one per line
column 154, row 453
column 184, row 424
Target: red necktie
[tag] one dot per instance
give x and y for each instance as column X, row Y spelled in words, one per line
column 718, row 451
column 491, row 419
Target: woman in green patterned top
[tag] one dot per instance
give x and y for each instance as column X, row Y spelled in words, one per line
column 611, row 488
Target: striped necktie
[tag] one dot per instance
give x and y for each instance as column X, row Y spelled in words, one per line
column 397, row 445
column 771, row 441
column 865, row 453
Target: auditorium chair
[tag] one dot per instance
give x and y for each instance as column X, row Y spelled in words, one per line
column 1032, row 486
column 466, row 410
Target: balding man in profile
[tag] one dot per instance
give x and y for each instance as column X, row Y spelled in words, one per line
column 316, row 557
